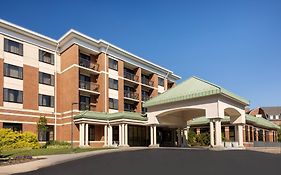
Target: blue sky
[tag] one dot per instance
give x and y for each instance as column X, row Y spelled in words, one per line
column 233, row 43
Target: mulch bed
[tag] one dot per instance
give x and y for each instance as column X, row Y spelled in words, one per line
column 17, row 160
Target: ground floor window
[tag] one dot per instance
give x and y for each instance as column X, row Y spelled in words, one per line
column 115, row 133
column 47, row 135
column 138, row 136
column 260, row 132
column 232, row 133
column 91, row 136
column 13, row 126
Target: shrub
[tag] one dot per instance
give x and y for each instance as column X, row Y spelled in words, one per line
column 13, row 140
column 279, row 134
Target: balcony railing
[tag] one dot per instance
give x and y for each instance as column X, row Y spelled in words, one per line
column 88, row 85
column 84, row 106
column 87, row 64
column 131, row 76
column 130, row 94
column 145, row 98
column 146, row 81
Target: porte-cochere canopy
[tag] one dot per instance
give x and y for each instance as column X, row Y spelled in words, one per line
column 196, row 98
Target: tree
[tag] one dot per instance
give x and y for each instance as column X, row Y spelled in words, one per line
column 42, row 128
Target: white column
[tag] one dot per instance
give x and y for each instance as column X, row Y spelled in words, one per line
column 236, row 133
column 126, row 134
column 80, row 134
column 240, row 135
column 154, row 135
column 123, row 134
column 87, row 135
column 151, row 135
column 105, row 135
column 212, row 141
column 120, row 135
column 109, row 135
column 218, row 132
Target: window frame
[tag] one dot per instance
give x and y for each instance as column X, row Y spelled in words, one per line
column 114, row 102
column 112, row 84
column 162, row 80
column 8, row 66
column 7, row 90
column 111, row 65
column 52, row 100
column 51, row 76
column 7, row 47
column 41, row 56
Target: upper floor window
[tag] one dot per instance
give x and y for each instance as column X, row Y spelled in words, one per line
column 84, row 103
column 13, row 71
column 47, row 79
column 113, row 64
column 46, row 100
column 46, row 57
column 113, row 103
column 160, row 81
column 13, row 47
column 113, row 84
column 11, row 95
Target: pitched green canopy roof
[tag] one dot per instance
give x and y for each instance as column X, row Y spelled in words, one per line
column 257, row 121
column 111, row 116
column 193, row 87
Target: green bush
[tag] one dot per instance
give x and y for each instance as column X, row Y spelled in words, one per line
column 202, row 139
column 279, row 134
column 13, row 140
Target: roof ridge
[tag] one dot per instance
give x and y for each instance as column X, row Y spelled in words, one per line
column 208, row 82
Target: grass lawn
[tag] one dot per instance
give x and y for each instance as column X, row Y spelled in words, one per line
column 44, row 151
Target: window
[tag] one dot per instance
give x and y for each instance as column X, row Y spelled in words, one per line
column 13, row 47
column 113, row 103
column 91, row 136
column 84, row 103
column 11, row 95
column 12, row 71
column 46, row 135
column 47, row 79
column 160, row 81
column 13, row 126
column 113, row 64
column 46, row 57
column 46, row 100
column 276, row 117
column 113, row 84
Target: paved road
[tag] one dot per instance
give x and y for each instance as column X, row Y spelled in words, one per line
column 170, row 161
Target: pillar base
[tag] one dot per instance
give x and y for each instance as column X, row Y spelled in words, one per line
column 124, row 146
column 154, row 146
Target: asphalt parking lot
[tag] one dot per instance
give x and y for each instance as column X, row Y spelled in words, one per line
column 170, row 161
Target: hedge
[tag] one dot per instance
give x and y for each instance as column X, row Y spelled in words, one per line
column 13, row 140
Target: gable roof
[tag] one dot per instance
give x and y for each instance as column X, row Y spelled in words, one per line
column 111, row 116
column 256, row 121
column 274, row 110
column 193, row 87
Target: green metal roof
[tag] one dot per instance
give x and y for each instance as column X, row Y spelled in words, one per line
column 111, row 116
column 257, row 121
column 193, row 87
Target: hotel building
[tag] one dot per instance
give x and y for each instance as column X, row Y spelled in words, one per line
column 94, row 92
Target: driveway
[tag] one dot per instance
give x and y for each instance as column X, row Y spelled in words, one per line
column 170, row 161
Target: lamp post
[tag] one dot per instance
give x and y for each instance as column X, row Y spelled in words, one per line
column 72, row 122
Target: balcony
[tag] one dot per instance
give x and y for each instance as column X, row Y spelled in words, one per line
column 129, row 107
column 132, row 95
column 131, row 76
column 145, row 98
column 146, row 81
column 89, row 86
column 87, row 64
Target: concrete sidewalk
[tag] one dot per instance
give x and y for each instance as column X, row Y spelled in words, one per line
column 56, row 159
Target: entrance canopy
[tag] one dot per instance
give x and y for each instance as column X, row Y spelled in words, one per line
column 195, row 98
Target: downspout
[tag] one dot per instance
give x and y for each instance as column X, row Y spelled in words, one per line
column 55, row 92
column 105, row 83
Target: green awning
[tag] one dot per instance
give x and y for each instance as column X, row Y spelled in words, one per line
column 111, row 116
column 193, row 87
column 256, row 121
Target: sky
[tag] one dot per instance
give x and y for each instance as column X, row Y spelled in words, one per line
column 233, row 43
